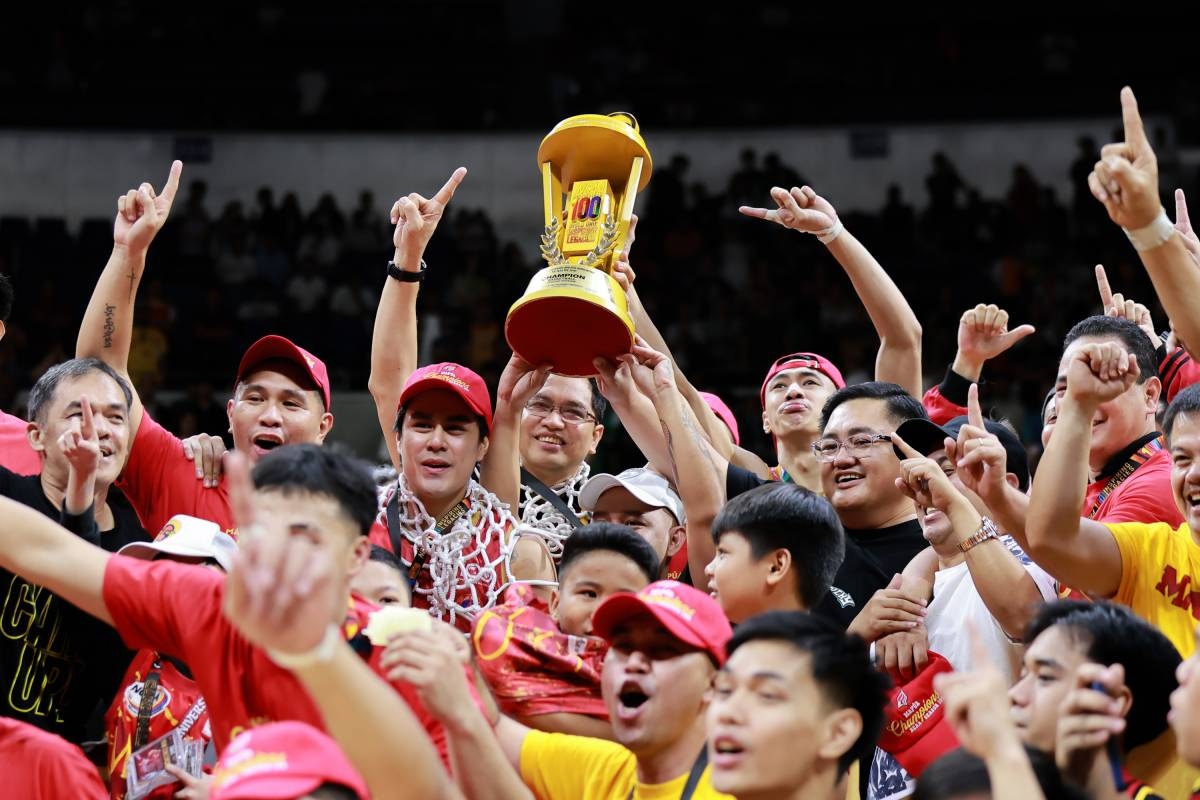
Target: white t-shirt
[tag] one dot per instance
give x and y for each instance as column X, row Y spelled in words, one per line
column 956, row 602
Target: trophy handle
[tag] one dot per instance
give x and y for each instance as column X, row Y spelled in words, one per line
column 551, row 194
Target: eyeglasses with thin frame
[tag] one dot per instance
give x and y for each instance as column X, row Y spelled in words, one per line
column 569, row 414
column 858, row 446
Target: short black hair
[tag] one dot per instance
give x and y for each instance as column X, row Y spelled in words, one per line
column 959, row 773
column 900, row 404
column 44, row 391
column 840, row 663
column 1186, row 402
column 789, row 517
column 599, row 404
column 387, row 557
column 1132, row 338
column 333, row 791
column 331, row 471
column 614, row 538
column 1112, row 634
column 6, row 298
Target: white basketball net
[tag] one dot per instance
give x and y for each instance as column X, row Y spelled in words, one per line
column 459, row 578
column 538, row 513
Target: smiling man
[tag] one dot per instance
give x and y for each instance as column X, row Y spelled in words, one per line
column 55, row 663
column 643, row 500
column 560, row 427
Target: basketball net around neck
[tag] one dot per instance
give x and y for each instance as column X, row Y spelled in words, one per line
column 537, row 512
column 460, row 577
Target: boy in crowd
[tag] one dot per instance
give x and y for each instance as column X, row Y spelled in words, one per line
column 543, row 664
column 797, row 702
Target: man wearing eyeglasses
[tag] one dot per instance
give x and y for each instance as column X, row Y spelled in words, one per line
column 858, row 474
column 560, row 427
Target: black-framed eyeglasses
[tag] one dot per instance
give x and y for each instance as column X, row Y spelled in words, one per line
column 858, row 446
column 572, row 415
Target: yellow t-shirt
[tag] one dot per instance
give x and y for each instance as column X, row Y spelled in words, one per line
column 558, row 766
column 1160, row 578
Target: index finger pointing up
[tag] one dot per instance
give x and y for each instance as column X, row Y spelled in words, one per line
column 974, row 412
column 172, row 183
column 86, row 426
column 446, row 192
column 1106, row 296
column 1135, row 132
column 905, row 447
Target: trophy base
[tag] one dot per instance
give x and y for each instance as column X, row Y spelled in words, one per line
column 568, row 317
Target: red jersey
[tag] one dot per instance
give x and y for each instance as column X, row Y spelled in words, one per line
column 243, row 686
column 1145, row 496
column 15, row 452
column 177, row 704
column 532, row 666
column 160, row 482
column 1177, row 372
column 41, row 766
column 948, row 399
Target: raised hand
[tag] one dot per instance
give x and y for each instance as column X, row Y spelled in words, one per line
column 1088, row 717
column 923, row 480
column 416, row 218
column 141, row 213
column 1115, row 305
column 207, row 453
column 1100, row 372
column 520, row 381
column 983, row 334
column 1125, row 179
column 977, row 705
column 281, row 593
column 432, row 662
column 800, row 209
column 981, row 461
column 80, row 443
column 615, row 381
column 1183, row 225
column 651, row 370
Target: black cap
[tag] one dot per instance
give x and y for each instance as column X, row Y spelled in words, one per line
column 1014, row 452
column 923, row 435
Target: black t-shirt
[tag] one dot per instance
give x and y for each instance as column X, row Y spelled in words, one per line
column 738, row 481
column 872, row 558
column 57, row 662
column 892, row 547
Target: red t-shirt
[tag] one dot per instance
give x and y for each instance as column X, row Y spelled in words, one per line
column 243, row 687
column 1145, row 496
column 15, row 452
column 160, row 482
column 41, row 766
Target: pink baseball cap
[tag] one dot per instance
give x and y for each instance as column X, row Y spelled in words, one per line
column 456, row 378
column 279, row 347
column 802, row 361
column 282, row 761
column 688, row 614
column 721, row 410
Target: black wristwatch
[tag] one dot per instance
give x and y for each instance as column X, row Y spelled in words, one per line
column 407, row 276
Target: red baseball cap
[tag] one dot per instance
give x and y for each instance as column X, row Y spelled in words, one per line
column 721, row 410
column 272, row 347
column 688, row 614
column 915, row 730
column 282, row 761
column 462, row 381
column 802, row 361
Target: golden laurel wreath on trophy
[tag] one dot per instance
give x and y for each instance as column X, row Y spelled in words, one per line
column 574, row 310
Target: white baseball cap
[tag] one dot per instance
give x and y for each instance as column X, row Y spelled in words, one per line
column 642, row 482
column 187, row 536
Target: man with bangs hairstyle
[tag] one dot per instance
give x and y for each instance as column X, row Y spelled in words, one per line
column 543, row 663
column 795, row 705
column 778, row 549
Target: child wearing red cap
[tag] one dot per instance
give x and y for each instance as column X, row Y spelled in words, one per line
column 285, row 761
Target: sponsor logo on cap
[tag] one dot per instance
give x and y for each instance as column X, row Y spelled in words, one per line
column 666, row 598
column 914, row 715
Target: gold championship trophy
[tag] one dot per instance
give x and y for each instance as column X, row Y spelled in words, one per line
column 574, row 310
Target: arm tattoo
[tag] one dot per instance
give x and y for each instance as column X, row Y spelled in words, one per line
column 697, row 436
column 670, row 448
column 109, row 325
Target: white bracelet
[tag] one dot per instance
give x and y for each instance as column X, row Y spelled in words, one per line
column 1154, row 235
column 829, row 234
column 320, row 654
